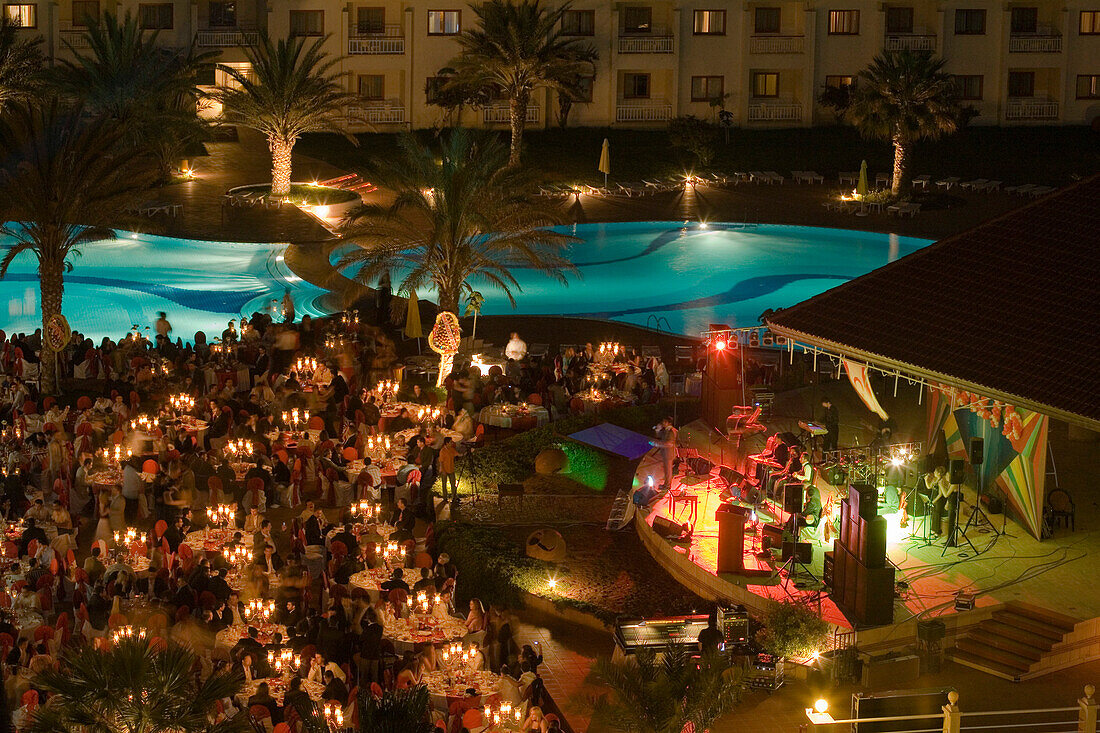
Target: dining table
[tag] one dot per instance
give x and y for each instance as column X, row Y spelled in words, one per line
column 229, row 636
column 405, row 633
column 507, row 416
column 277, row 686
column 449, row 684
column 404, row 436
column 209, row 539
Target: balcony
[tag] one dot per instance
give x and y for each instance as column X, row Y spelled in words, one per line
column 910, row 42
column 647, row 43
column 501, row 114
column 775, row 112
column 1031, row 109
column 387, row 112
column 225, row 38
column 1035, row 43
column 776, row 44
column 75, row 37
column 643, row 111
column 388, row 42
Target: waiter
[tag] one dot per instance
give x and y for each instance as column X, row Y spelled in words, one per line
column 831, row 420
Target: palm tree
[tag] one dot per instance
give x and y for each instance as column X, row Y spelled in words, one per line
column 20, row 64
column 517, row 48
column 132, row 688
column 903, row 97
column 474, row 301
column 63, row 183
column 126, row 74
column 665, row 696
column 290, row 89
column 458, row 220
column 400, row 711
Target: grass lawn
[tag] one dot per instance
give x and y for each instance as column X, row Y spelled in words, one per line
column 1044, row 155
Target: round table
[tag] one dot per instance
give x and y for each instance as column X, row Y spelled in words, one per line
column 406, row 632
column 444, row 686
column 404, row 436
column 502, row 416
column 370, row 579
column 229, row 637
column 110, row 476
column 211, row 539
column 277, row 686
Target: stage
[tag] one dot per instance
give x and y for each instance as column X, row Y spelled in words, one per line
column 1054, row 574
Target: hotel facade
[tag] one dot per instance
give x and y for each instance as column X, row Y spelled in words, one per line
column 1026, row 62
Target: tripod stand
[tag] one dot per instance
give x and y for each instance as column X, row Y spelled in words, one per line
column 793, row 563
column 977, row 511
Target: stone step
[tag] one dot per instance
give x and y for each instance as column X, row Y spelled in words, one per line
column 984, row 665
column 1039, row 628
column 1043, row 615
column 1016, row 634
column 1003, row 657
column 991, row 638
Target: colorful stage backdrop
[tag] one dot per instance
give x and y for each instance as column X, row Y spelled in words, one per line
column 1015, row 443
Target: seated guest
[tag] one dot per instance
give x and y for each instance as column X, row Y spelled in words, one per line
column 263, row 697
column 335, row 689
column 401, row 422
column 32, row 532
column 475, row 620
column 396, row 581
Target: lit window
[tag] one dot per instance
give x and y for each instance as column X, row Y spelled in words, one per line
column 710, row 22
column 843, row 22
column 706, row 88
column 444, row 22
column 1090, row 22
column 838, row 81
column 765, row 84
column 22, row 16
column 1088, row 86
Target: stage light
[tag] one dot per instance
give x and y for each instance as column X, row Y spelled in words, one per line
column 821, row 706
column 720, row 344
column 702, row 225
column 897, row 461
column 552, row 583
column 816, row 655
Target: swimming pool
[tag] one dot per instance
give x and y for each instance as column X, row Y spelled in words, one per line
column 117, row 283
column 681, row 277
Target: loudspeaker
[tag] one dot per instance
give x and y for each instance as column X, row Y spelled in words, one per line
column 875, row 597
column 993, row 504
column 865, row 498
column 666, row 527
column 644, row 495
column 977, row 451
column 721, row 387
column 771, row 536
column 834, row 475
column 872, row 543
column 805, row 551
column 957, row 472
column 792, row 497
column 700, row 466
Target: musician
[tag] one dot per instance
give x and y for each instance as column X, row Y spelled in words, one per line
column 831, row 420
column 793, row 470
column 667, row 437
column 811, row 512
column 944, row 494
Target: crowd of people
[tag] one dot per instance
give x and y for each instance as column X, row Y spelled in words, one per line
column 176, row 484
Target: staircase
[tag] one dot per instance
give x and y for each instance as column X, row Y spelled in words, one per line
column 1017, row 643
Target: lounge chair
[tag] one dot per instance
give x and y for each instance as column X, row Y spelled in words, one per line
column 1040, row 191
column 974, row 185
column 990, row 186
column 656, row 186
column 922, row 181
column 757, row 176
column 718, row 179
column 882, row 179
column 947, row 183
column 902, row 209
column 1021, row 190
column 848, row 177
column 813, row 177
column 774, row 177
column 630, row 190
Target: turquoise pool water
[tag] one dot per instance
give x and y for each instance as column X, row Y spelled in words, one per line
column 681, row 278
column 115, row 284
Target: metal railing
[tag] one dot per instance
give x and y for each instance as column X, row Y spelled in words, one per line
column 643, row 112
column 501, row 114
column 910, row 42
column 1035, row 43
column 1031, row 109
column 76, row 37
column 776, row 44
column 775, row 112
column 1080, row 718
column 380, row 113
column 388, row 41
column 646, row 44
column 225, row 37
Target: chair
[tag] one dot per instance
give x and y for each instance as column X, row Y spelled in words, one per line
column 744, row 421
column 350, row 454
column 316, row 423
column 1062, row 509
column 150, row 467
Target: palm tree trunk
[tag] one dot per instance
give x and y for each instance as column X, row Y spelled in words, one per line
column 901, row 164
column 517, row 109
column 52, row 289
column 281, row 149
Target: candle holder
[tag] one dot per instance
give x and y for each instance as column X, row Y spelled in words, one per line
column 368, row 511
column 386, row 389
column 239, row 449
column 127, row 538
column 221, row 515
column 259, row 610
column 127, row 632
column 294, row 420
column 115, row 456
column 334, row 716
column 240, row 557
column 285, row 660
column 182, row 403
column 305, row 367
column 141, row 422
column 391, row 552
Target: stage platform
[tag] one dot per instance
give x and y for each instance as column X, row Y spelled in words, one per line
column 1054, row 574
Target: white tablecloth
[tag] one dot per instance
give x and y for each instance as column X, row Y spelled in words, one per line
column 502, row 416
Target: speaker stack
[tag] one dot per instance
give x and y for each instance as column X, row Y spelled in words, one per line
column 863, row 581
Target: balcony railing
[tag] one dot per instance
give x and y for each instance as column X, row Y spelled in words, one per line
column 1035, row 43
column 226, row 37
column 76, row 37
column 910, row 42
column 389, row 112
column 653, row 111
column 1031, row 109
column 775, row 112
column 776, row 44
column 501, row 114
column 646, row 43
column 389, row 41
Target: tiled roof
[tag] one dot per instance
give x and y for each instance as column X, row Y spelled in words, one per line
column 1012, row 305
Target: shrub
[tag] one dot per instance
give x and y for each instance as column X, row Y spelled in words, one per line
column 792, row 630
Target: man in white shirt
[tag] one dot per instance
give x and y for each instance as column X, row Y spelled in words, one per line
column 132, row 488
column 516, row 348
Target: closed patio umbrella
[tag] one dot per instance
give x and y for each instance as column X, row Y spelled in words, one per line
column 861, row 186
column 605, row 160
column 413, row 328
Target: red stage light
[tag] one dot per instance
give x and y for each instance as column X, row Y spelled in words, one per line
column 720, row 344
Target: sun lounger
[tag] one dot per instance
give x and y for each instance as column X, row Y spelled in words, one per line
column 1040, row 191
column 882, row 179
column 975, row 185
column 774, row 177
column 1021, row 190
column 990, row 186
column 656, row 186
column 718, row 179
column 947, row 183
column 813, row 177
column 848, row 177
column 922, row 181
column 902, row 209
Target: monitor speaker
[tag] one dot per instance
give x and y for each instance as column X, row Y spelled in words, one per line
column 977, row 451
column 666, row 527
column 771, row 536
column 872, row 543
column 803, row 550
column 700, row 466
column 957, row 474
column 792, row 497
